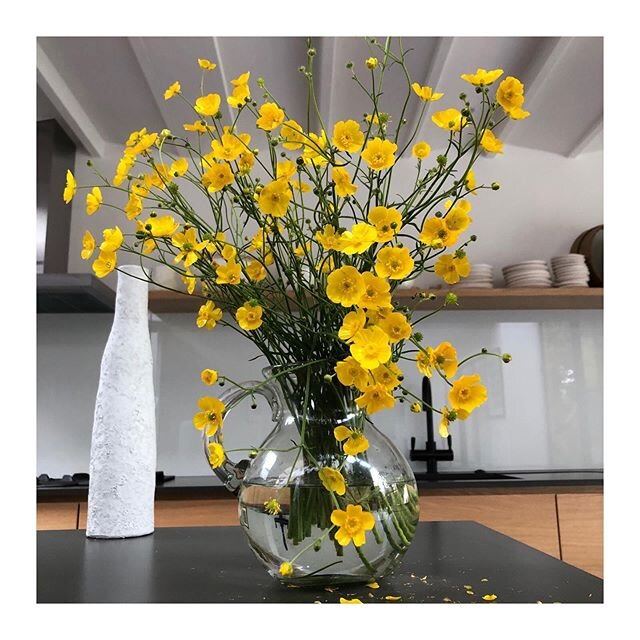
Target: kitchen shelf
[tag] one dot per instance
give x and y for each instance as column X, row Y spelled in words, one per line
column 161, row 301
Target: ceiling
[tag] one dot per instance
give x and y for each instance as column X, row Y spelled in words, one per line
column 102, row 88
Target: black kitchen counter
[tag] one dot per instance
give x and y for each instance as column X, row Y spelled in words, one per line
column 447, row 562
column 209, row 486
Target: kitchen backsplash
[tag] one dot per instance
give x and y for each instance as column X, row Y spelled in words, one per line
column 544, row 409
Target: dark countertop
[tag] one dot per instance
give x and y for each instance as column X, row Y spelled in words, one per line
column 215, row 564
column 209, row 486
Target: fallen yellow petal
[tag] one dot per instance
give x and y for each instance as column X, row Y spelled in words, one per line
column 470, row 593
column 373, row 585
column 393, row 598
column 354, row 601
column 484, row 580
column 490, row 597
column 468, row 586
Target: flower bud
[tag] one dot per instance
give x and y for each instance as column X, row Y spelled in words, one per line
column 253, row 453
column 473, row 237
column 506, row 358
column 301, row 69
column 418, row 336
column 89, row 163
column 165, row 133
column 260, row 82
column 442, row 160
column 451, row 298
column 495, row 186
column 371, row 63
column 416, row 407
column 311, row 52
column 463, row 96
column 484, row 350
column 478, row 89
column 349, row 65
column 153, row 214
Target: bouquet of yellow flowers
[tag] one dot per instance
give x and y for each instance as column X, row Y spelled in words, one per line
column 303, row 246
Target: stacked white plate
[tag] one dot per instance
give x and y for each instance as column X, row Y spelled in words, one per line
column 570, row 271
column 481, row 277
column 530, row 273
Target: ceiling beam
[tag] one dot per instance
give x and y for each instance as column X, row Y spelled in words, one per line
column 66, row 104
column 539, row 69
column 155, row 84
column 586, row 137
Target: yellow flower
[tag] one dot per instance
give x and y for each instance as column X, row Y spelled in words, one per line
column 347, row 136
column 208, row 105
column 374, row 119
column 354, row 442
column 358, row 239
column 470, row 181
column 371, row 63
column 344, row 186
column 94, row 200
column 313, row 148
column 243, row 78
column 378, row 154
column 292, row 135
column 245, row 162
column 448, row 416
column 377, row 315
column 451, row 268
column 518, row 113
column 216, row 455
column 375, row 398
column 207, row 65
column 275, row 197
column 303, row 187
column 353, row 523
column 272, row 507
column 198, row 126
column 332, row 480
column 172, row 90
column 112, row 240
column 490, row 143
column 394, row 262
column 144, row 141
column 208, row 315
column 209, row 376
column 450, row 119
column 510, row 94
column 189, row 280
column 345, row 286
column 122, row 169
column 387, row 221
column 482, row 77
column 444, row 357
column 249, row 316
column 286, row 569
column 211, row 416
column 388, row 375
column 436, row 233
column 396, row 326
column 376, row 292
column 370, row 347
column 352, row 601
column 457, row 218
column 351, row 324
column 133, row 208
column 239, row 96
column 179, row 167
column 421, row 150
column 104, row 264
column 255, row 271
column 351, row 374
column 424, row 362
column 88, row 246
column 467, row 393
column 229, row 273
column 416, row 407
column 230, row 146
column 161, row 227
column 426, row 93
column 329, row 238
column 70, row 188
column 189, row 246
column 217, row 177
column 286, row 169
column 271, row 116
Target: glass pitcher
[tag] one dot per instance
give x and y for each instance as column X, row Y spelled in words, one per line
column 327, row 498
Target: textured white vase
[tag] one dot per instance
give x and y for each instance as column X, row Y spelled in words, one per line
column 123, row 443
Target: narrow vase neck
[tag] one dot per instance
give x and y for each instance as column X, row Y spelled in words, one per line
column 132, row 296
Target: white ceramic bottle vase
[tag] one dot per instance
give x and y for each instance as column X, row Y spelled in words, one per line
column 123, row 443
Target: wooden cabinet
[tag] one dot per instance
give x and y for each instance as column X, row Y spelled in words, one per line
column 529, row 518
column 581, row 531
column 57, row 515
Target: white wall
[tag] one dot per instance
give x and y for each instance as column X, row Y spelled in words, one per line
column 544, row 409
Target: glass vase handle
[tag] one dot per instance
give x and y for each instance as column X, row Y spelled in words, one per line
column 231, row 473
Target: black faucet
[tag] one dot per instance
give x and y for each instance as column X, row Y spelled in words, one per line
column 431, row 454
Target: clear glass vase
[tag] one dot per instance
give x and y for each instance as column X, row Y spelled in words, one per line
column 306, row 531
